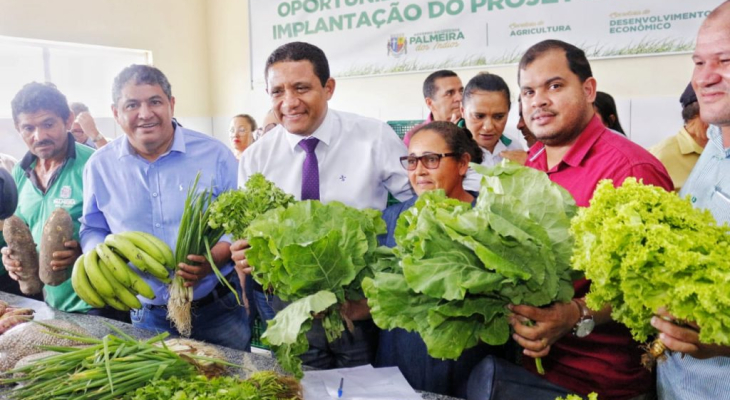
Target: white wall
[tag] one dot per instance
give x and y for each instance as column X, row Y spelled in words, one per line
column 202, row 46
column 174, row 30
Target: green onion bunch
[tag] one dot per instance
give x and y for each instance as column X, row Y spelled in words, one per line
column 107, row 368
column 194, row 237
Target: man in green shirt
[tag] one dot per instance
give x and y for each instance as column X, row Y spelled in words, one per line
column 48, row 177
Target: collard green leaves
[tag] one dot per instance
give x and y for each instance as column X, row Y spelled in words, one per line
column 644, row 248
column 459, row 267
column 287, row 331
column 306, row 250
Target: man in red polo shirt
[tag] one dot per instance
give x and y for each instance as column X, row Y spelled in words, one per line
column 583, row 350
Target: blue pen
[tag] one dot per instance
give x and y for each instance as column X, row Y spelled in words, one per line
column 339, row 391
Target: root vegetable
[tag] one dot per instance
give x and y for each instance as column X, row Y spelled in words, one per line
column 58, row 230
column 21, row 244
column 7, row 323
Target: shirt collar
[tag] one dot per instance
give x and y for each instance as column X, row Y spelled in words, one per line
column 323, row 133
column 714, row 133
column 29, row 158
column 178, row 143
column 579, row 149
column 687, row 144
column 585, row 141
column 504, row 139
column 498, row 148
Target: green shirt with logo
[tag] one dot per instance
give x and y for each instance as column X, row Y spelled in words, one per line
column 34, row 207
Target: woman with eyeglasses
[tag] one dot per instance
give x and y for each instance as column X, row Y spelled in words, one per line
column 438, row 158
column 241, row 133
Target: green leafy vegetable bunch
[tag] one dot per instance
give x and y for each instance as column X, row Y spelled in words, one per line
column 459, row 267
column 234, row 210
column 316, row 256
column 591, row 396
column 644, row 248
column 265, row 385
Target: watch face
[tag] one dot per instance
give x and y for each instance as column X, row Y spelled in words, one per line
column 584, row 327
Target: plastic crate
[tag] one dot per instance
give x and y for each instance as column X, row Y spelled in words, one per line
column 258, row 330
column 402, row 127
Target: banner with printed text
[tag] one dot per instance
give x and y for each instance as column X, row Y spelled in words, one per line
column 373, row 37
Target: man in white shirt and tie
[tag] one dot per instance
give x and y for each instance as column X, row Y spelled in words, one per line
column 327, row 155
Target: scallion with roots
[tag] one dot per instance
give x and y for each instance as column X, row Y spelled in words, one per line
column 194, row 237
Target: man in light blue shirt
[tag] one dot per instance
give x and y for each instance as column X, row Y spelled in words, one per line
column 696, row 370
column 139, row 183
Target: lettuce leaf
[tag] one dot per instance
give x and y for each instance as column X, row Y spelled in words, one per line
column 287, row 331
column 644, row 248
column 308, row 249
column 459, row 267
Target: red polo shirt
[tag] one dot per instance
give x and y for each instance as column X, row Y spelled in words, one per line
column 607, row 361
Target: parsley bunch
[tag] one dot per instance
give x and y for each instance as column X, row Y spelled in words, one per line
column 235, row 209
column 265, row 385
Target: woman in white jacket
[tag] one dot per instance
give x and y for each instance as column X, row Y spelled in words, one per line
column 485, row 108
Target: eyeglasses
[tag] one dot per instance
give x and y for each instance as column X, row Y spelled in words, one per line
column 430, row 161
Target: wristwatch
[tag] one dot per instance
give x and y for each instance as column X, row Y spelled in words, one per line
column 585, row 324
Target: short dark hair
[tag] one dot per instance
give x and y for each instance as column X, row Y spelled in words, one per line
column 577, row 61
column 34, row 97
column 248, row 118
column 301, row 51
column 77, row 108
column 429, row 85
column 690, row 111
column 459, row 139
column 486, row 82
column 606, row 106
column 140, row 74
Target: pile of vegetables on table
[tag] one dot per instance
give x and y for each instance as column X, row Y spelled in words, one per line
column 265, row 385
column 314, row 255
column 644, row 248
column 457, row 267
column 120, row 366
column 12, row 316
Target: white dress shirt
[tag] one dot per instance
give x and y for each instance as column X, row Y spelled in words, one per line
column 358, row 160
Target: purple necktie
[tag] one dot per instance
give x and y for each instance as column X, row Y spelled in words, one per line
column 310, row 170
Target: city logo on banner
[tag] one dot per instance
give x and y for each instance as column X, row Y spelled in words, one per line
column 436, row 40
column 397, row 45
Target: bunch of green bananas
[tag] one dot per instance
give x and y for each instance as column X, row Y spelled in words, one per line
column 102, row 276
